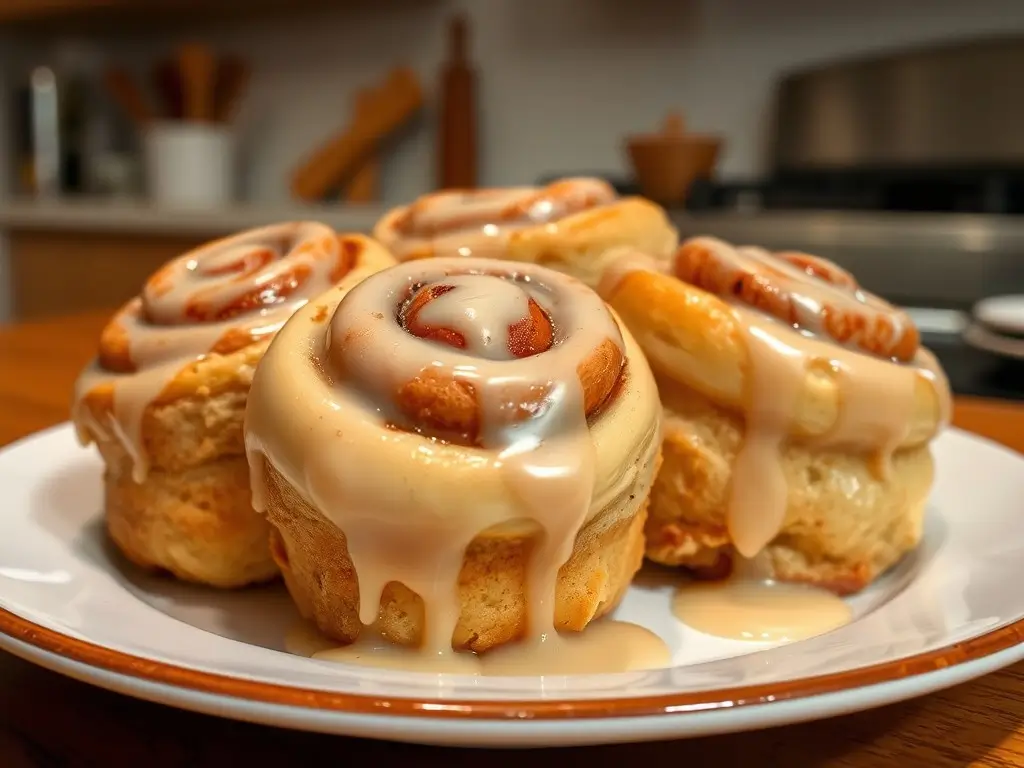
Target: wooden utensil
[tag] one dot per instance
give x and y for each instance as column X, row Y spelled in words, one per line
column 128, row 95
column 167, row 83
column 363, row 186
column 392, row 105
column 198, row 71
column 233, row 73
column 457, row 149
column 667, row 163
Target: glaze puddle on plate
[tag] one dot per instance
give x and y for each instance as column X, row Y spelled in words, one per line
column 606, row 647
column 748, row 609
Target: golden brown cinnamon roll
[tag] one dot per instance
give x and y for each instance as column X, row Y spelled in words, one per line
column 573, row 226
column 798, row 411
column 165, row 398
column 457, row 451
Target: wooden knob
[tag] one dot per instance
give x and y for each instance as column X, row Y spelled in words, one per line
column 673, row 125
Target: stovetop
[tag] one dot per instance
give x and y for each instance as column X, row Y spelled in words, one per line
column 998, row 190
column 934, row 190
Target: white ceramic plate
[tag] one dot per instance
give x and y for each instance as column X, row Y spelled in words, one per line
column 950, row 612
column 1002, row 314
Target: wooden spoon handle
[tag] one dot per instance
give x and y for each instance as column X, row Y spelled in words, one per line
column 362, row 188
column 128, row 95
column 393, row 104
column 198, row 79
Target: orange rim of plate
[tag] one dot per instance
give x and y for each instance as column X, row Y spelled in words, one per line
column 142, row 668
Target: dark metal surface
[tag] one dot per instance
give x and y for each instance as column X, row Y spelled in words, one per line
column 975, row 372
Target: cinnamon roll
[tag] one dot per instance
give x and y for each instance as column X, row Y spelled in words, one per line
column 165, row 397
column 456, row 452
column 573, row 226
column 798, row 413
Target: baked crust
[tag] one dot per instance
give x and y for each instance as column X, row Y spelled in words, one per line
column 844, row 526
column 581, row 244
column 192, row 515
column 584, row 245
column 313, row 557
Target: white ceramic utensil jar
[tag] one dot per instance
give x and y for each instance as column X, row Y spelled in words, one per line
column 190, row 164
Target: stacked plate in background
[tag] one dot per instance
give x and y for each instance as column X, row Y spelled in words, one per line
column 997, row 326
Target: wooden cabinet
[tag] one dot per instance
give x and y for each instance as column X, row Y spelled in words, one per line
column 59, row 273
column 79, row 255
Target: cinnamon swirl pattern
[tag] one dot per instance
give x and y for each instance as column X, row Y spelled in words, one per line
column 798, row 412
column 462, row 461
column 801, row 290
column 165, row 397
column 573, row 226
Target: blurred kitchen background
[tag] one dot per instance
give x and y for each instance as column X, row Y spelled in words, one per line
column 885, row 134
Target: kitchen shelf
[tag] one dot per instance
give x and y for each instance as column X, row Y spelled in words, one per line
column 73, row 13
column 141, row 218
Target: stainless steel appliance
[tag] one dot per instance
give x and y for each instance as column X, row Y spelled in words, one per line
column 943, row 106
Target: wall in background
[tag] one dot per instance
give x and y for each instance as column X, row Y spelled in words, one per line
column 562, row 81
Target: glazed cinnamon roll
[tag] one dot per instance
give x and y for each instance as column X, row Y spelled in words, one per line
column 164, row 399
column 573, row 226
column 798, row 412
column 456, row 452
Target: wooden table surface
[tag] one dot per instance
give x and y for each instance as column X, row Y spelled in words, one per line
column 49, row 721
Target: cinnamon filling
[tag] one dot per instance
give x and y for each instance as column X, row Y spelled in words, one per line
column 526, row 336
column 803, row 290
column 495, row 317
